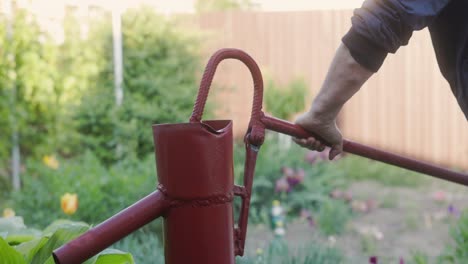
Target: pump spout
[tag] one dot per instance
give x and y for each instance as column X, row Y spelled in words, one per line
column 113, row 229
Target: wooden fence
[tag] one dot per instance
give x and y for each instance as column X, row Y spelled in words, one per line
column 407, row 107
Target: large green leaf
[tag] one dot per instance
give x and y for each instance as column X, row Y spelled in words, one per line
column 9, row 255
column 30, row 249
column 62, row 223
column 11, row 223
column 61, row 236
column 16, row 237
column 14, row 231
column 114, row 256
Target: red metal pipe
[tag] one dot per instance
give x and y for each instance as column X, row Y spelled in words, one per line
column 288, row 128
column 113, row 229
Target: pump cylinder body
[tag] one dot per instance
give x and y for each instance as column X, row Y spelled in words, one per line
column 195, row 171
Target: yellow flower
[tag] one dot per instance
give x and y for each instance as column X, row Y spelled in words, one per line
column 8, row 212
column 69, row 203
column 51, row 162
column 259, row 251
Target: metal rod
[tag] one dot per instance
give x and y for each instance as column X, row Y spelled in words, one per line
column 113, row 229
column 288, row 128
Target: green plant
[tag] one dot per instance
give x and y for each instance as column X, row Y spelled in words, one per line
column 21, row 245
column 360, row 169
column 278, row 252
column 458, row 251
column 368, row 245
column 319, row 179
column 284, row 102
column 412, row 221
column 333, row 216
column 144, row 246
column 26, row 83
column 160, row 65
column 40, row 80
column 101, row 191
column 389, row 201
column 59, row 95
column 419, row 257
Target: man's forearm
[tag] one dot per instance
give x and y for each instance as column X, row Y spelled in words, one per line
column 344, row 78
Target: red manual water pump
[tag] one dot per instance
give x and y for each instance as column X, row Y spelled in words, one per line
column 196, row 187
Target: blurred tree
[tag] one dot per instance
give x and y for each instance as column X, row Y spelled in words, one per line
column 63, row 99
column 160, row 65
column 285, row 102
column 26, row 83
column 79, row 62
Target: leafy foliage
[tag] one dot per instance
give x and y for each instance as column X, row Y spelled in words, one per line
column 144, row 246
column 38, row 249
column 26, row 83
column 333, row 216
column 310, row 194
column 101, row 191
column 284, row 102
column 458, row 252
column 65, row 89
column 419, row 257
column 80, row 60
column 160, row 62
column 9, row 254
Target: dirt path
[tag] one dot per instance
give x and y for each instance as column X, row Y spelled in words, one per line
column 406, row 220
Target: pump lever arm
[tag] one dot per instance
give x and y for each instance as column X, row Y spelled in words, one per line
column 349, row 146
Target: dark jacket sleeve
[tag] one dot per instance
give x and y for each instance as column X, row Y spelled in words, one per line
column 382, row 26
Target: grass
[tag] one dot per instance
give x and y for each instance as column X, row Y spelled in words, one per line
column 389, row 201
column 144, row 246
column 333, row 216
column 412, row 221
column 368, row 245
column 363, row 169
column 278, row 252
column 146, row 249
column 419, row 257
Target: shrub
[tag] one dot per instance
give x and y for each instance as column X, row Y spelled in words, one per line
column 101, row 191
column 333, row 216
column 20, row 245
column 284, row 102
column 65, row 89
column 26, row 83
column 320, row 178
column 160, row 66
column 458, row 251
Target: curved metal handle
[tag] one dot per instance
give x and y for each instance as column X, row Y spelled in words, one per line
column 253, row 138
column 256, row 128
